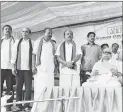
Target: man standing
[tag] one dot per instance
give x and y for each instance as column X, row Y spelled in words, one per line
column 91, row 53
column 22, row 67
column 68, row 56
column 7, row 42
column 43, row 66
column 115, row 52
column 43, row 62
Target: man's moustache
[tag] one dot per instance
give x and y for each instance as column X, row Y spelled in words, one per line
column 69, row 37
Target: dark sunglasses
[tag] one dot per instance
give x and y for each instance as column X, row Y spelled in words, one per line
column 107, row 52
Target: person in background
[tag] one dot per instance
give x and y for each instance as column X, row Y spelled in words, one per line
column 7, row 42
column 115, row 52
column 103, row 46
column 120, row 51
column 119, row 63
column 22, row 67
column 68, row 56
column 91, row 53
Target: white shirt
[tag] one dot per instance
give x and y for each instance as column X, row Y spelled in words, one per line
column 5, row 58
column 119, row 66
column 104, row 67
column 114, row 57
column 24, row 54
column 47, row 57
column 104, row 70
column 68, row 52
column 68, row 49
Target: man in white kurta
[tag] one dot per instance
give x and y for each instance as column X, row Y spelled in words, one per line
column 103, row 73
column 44, row 76
column 69, row 76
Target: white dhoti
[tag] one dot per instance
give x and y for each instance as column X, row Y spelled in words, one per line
column 45, row 71
column 69, row 78
column 42, row 80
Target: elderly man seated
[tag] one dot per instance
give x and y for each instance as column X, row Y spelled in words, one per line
column 104, row 73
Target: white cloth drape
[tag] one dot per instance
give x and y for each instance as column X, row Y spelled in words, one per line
column 90, row 100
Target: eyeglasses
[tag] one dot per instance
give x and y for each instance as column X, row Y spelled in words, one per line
column 107, row 52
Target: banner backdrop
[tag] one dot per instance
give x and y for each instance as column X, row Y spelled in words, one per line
column 110, row 32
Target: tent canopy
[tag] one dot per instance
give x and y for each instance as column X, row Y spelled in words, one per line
column 38, row 15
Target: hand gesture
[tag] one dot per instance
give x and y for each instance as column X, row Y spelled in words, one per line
column 34, row 70
column 95, row 72
column 69, row 64
column 113, row 71
column 14, row 71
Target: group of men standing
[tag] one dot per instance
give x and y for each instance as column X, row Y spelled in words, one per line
column 23, row 59
column 16, row 60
